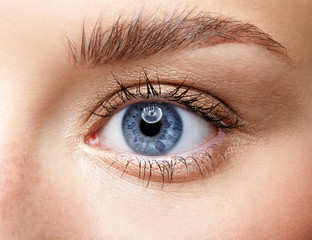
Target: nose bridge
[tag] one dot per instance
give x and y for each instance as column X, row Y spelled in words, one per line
column 19, row 175
column 19, row 169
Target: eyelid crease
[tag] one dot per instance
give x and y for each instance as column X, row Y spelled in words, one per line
column 146, row 36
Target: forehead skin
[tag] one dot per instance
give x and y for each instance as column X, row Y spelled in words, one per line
column 43, row 195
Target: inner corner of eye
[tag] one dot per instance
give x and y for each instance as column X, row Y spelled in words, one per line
column 153, row 128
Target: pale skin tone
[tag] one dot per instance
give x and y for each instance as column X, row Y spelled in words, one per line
column 55, row 186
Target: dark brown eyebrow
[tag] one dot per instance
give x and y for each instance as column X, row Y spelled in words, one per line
column 143, row 37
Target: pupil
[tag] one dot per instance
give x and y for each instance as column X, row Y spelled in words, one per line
column 150, row 129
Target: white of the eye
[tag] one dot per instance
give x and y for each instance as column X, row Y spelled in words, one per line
column 196, row 131
column 112, row 137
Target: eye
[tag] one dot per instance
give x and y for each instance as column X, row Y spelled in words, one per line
column 155, row 128
column 166, row 134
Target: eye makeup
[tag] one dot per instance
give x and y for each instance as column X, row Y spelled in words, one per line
column 214, row 110
column 181, row 167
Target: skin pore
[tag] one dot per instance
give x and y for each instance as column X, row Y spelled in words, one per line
column 54, row 185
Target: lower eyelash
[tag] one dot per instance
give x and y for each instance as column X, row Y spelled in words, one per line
column 203, row 162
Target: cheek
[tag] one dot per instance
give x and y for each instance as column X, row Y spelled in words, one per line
column 274, row 185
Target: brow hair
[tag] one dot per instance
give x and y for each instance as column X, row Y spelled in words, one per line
column 143, row 37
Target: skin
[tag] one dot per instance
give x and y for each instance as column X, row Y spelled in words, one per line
column 52, row 188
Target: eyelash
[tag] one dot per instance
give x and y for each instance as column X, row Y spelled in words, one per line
column 180, row 95
column 189, row 101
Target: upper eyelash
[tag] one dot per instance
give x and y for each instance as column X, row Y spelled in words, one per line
column 183, row 98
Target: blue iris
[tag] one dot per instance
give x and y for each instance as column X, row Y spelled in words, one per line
column 152, row 128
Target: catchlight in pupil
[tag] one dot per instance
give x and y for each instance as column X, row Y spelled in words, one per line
column 151, row 114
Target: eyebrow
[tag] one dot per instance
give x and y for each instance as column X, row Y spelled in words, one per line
column 143, row 37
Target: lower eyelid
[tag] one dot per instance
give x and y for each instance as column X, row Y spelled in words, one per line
column 158, row 171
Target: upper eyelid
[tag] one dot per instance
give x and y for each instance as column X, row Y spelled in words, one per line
column 146, row 36
column 154, row 90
